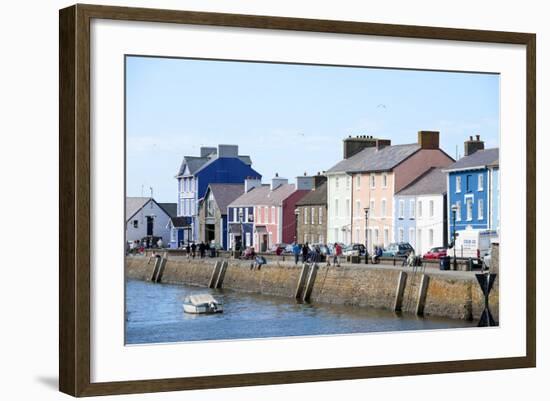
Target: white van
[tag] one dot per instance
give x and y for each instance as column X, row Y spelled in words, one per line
column 474, row 244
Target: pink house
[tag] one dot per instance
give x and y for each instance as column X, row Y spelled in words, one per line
column 379, row 172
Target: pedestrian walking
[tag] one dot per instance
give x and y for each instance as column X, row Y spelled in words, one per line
column 305, row 251
column 202, row 249
column 188, row 250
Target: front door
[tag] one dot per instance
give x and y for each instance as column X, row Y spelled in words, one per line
column 150, row 225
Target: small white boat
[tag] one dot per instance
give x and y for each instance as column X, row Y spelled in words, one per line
column 201, row 303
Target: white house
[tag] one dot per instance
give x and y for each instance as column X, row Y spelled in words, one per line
column 146, row 217
column 420, row 212
column 338, row 207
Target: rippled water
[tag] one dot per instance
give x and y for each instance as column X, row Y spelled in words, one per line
column 154, row 315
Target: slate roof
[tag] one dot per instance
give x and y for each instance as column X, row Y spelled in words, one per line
column 318, row 196
column 197, row 163
column 264, row 196
column 181, row 221
column 225, row 194
column 481, row 158
column 170, row 208
column 133, row 204
column 432, row 182
column 371, row 159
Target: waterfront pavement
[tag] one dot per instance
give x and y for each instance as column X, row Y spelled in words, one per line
column 432, row 270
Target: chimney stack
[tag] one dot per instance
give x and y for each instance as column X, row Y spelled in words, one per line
column 382, row 143
column 354, row 145
column 428, row 139
column 277, row 181
column 205, row 151
column 251, row 183
column 228, row 150
column 473, row 145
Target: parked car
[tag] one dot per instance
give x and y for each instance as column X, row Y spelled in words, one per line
column 436, row 253
column 281, row 248
column 354, row 250
column 398, row 249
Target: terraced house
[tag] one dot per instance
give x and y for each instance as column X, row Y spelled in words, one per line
column 472, row 187
column 420, row 212
column 311, row 215
column 372, row 176
column 271, row 209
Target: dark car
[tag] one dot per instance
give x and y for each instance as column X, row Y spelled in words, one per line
column 398, row 250
column 436, row 253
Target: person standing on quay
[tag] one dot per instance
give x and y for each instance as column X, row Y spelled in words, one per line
column 337, row 254
column 188, row 250
column 296, row 252
column 193, row 250
column 202, row 249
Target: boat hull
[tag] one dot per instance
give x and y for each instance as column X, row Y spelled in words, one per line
column 201, row 309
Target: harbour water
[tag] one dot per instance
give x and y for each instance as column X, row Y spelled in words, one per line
column 154, row 314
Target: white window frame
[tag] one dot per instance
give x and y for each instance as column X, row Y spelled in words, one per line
column 401, row 209
column 348, row 208
column 305, row 215
column 480, row 209
column 273, row 215
column 412, row 239
column 358, row 182
column 312, row 215
column 383, row 207
column 320, row 215
column 419, row 205
column 384, row 180
column 480, row 181
column 247, row 239
column 458, row 184
column 337, row 182
column 336, row 207
column 431, row 208
column 358, row 208
column 412, row 209
column 372, row 180
column 458, row 211
column 469, row 208
column 431, row 237
column 348, row 182
column 401, row 235
column 372, row 211
column 386, row 236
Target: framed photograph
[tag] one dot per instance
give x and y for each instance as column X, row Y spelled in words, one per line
column 250, row 200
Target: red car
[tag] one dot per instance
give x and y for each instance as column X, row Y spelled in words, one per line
column 435, row 253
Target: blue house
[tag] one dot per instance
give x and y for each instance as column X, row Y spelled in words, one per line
column 221, row 165
column 469, row 187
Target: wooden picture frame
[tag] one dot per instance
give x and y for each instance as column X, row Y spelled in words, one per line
column 74, row 199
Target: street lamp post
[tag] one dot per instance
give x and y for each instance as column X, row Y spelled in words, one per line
column 366, row 235
column 241, row 215
column 453, row 210
column 296, row 215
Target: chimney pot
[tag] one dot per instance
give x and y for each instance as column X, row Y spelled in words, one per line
column 471, row 146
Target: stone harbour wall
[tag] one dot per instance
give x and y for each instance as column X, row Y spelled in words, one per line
column 455, row 295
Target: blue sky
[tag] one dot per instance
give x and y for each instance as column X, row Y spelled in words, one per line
column 290, row 119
